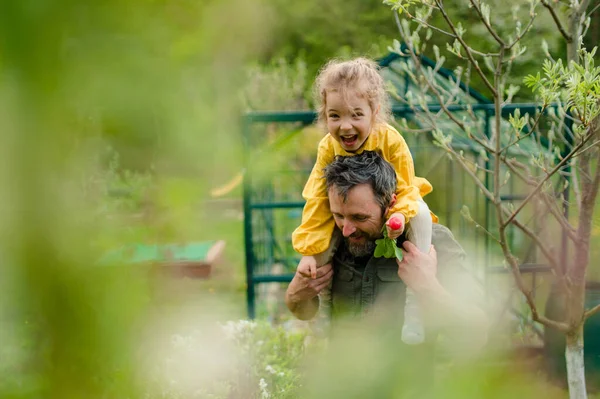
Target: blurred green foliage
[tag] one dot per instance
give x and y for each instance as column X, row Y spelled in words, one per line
column 155, row 81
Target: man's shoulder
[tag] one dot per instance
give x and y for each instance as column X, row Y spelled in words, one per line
column 441, row 231
column 454, row 269
column 444, row 242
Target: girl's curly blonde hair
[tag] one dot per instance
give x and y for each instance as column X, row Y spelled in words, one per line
column 360, row 75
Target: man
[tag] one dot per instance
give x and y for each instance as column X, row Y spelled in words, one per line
column 361, row 189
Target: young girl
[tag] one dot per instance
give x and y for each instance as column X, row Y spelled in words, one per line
column 354, row 106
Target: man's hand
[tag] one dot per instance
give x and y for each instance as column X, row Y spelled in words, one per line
column 303, row 290
column 304, row 287
column 395, row 225
column 418, row 270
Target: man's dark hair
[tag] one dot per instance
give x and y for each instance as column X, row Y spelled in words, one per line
column 346, row 172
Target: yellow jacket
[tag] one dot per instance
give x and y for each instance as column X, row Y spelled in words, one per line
column 314, row 233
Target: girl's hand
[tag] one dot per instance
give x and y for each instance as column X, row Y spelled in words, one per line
column 308, row 267
column 395, row 225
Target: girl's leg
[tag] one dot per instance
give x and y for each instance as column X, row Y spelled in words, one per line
column 420, row 228
column 419, row 233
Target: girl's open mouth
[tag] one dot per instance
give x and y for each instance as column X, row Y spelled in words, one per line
column 349, row 141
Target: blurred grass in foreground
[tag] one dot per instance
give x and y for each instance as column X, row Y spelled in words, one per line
column 154, row 80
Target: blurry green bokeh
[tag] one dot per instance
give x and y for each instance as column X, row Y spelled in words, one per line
column 153, row 81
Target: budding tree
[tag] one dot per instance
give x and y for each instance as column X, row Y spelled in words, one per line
column 562, row 172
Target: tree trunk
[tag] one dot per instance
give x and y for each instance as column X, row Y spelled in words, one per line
column 575, row 365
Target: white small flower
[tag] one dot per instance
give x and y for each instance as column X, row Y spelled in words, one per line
column 264, row 394
column 235, row 330
column 270, row 369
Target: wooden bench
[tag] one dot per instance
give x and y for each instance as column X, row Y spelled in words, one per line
column 192, row 260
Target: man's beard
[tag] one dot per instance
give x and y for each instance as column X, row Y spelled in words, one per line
column 363, row 249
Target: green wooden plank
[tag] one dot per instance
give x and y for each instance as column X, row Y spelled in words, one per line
column 142, row 253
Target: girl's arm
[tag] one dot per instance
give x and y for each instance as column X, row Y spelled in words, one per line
column 407, row 193
column 314, row 233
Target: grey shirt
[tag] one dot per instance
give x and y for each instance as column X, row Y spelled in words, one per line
column 371, row 285
column 367, row 358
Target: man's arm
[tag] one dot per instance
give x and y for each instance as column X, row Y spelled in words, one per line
column 301, row 295
column 419, row 271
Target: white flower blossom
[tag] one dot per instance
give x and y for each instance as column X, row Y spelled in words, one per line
column 270, row 369
column 264, row 394
column 235, row 330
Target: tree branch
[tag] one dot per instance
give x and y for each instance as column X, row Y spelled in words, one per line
column 535, row 237
column 558, row 325
column 527, row 134
column 596, row 182
column 525, row 31
column 497, row 146
column 487, row 25
column 564, row 222
column 476, row 179
column 557, row 215
column 435, row 91
column 559, row 25
column 576, row 184
column 589, row 313
column 513, row 164
column 435, row 28
column 481, row 143
column 561, row 326
column 541, row 183
column 594, row 144
column 593, row 10
column 584, row 173
column 467, row 49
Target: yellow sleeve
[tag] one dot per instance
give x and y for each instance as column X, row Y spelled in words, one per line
column 397, row 153
column 314, row 233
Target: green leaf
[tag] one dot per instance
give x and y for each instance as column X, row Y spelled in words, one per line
column 485, row 12
column 385, row 247
column 466, row 213
column 379, row 248
column 390, row 248
column 399, row 253
column 532, row 81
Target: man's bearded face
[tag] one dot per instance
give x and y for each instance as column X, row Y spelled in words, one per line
column 359, row 217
